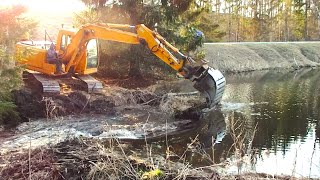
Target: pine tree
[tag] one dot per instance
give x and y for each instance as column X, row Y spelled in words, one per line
column 13, row 26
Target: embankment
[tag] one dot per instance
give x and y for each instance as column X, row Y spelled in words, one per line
column 249, row 56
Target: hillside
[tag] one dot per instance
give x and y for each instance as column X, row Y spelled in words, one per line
column 238, row 57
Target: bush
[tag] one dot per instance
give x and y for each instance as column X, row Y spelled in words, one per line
column 114, row 61
column 9, row 79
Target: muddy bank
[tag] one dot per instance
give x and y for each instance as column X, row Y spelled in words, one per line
column 112, row 100
column 239, row 57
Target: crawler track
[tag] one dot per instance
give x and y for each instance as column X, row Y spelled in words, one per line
column 60, row 84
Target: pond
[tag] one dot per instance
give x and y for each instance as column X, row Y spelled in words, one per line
column 268, row 123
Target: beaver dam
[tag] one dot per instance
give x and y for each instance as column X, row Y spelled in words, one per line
column 267, row 127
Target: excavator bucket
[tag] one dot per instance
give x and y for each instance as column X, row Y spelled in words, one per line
column 211, row 83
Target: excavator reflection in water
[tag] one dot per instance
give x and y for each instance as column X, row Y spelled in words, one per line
column 78, row 50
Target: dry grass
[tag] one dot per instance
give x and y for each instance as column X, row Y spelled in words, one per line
column 112, row 159
column 92, row 159
column 122, row 96
column 242, row 137
column 179, row 102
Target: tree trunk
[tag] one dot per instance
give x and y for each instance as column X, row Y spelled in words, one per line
column 305, row 33
column 229, row 22
column 134, row 61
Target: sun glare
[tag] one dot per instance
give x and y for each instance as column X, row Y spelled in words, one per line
column 47, row 6
column 49, row 14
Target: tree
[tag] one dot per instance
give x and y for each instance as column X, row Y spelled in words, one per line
column 268, row 20
column 176, row 20
column 13, row 26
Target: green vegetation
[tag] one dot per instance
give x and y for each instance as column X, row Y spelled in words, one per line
column 13, row 26
column 219, row 20
column 9, row 80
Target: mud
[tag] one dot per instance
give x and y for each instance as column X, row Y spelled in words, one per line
column 34, row 105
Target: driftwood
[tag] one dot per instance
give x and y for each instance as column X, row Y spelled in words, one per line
column 195, row 93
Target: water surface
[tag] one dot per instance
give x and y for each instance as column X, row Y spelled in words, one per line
column 277, row 116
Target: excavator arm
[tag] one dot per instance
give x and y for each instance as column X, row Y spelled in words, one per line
column 210, row 82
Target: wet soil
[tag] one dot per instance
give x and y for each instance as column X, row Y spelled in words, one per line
column 128, row 82
column 116, row 93
column 33, row 104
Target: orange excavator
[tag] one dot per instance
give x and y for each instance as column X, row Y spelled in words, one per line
column 79, row 51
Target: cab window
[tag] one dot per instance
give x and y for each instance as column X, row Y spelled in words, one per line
column 92, row 54
column 65, row 41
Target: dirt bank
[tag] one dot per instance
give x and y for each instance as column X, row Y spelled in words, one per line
column 239, row 57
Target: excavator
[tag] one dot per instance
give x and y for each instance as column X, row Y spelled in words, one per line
column 79, row 51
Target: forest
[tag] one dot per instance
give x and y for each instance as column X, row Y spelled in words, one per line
column 233, row 20
column 268, row 20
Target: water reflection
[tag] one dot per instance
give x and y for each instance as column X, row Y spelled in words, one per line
column 286, row 108
column 268, row 123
